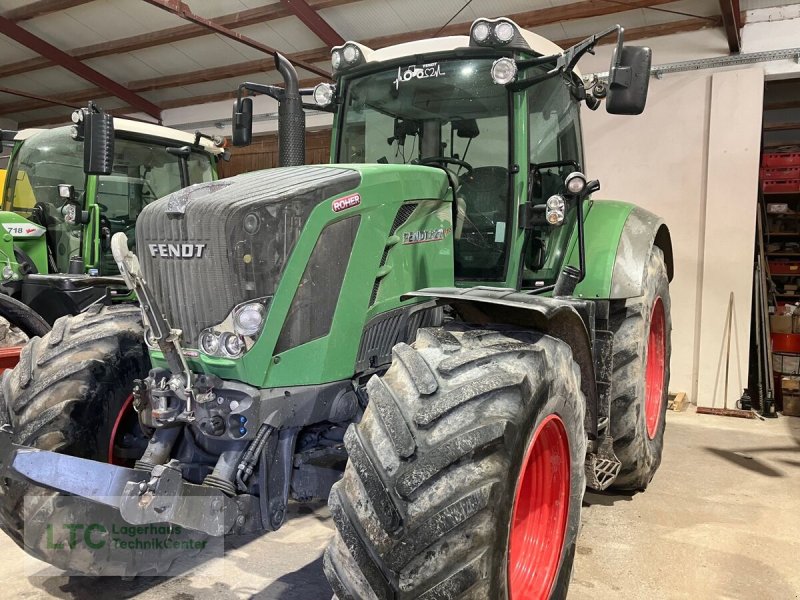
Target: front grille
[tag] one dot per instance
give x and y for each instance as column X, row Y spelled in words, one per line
column 234, row 266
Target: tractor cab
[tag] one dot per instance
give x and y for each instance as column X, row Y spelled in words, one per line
column 498, row 111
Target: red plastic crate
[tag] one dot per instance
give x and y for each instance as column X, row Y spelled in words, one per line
column 780, row 159
column 780, row 173
column 784, row 268
column 781, row 187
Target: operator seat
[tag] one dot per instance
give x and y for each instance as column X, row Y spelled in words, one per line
column 485, row 196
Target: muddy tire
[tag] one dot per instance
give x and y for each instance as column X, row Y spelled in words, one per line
column 640, row 379
column 433, row 502
column 64, row 396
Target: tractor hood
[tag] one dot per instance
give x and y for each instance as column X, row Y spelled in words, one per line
column 211, row 246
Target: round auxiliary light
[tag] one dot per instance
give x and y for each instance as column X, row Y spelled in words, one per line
column 336, row 59
column 323, row 94
column 555, row 202
column 8, row 272
column 209, row 343
column 504, row 31
column 480, row 32
column 504, row 71
column 77, row 116
column 350, row 53
column 249, row 319
column 232, row 345
column 252, row 223
column 575, row 182
column 555, row 217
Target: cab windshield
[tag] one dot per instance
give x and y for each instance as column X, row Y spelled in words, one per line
column 143, row 171
column 447, row 114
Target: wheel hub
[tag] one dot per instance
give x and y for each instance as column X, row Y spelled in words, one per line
column 539, row 517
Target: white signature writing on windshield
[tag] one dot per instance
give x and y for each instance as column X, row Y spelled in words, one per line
column 418, row 72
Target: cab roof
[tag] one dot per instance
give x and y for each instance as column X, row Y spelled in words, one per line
column 142, row 129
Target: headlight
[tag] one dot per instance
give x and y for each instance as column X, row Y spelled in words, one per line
column 323, row 94
column 504, row 32
column 350, row 53
column 252, row 223
column 249, row 319
column 232, row 345
column 504, row 71
column 209, row 343
column 480, row 31
column 575, row 182
column 336, row 59
column 237, row 334
column 8, row 272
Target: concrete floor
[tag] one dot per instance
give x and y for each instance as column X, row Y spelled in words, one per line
column 720, row 520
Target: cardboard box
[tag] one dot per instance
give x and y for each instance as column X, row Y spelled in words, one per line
column 780, row 324
column 791, row 405
column 790, row 385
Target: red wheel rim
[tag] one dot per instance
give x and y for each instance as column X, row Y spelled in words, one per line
column 539, row 517
column 127, row 406
column 655, row 370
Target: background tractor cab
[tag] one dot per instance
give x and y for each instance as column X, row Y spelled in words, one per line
column 69, row 189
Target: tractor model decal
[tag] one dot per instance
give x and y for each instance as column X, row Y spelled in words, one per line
column 177, row 250
column 346, row 202
column 22, row 230
column 418, row 72
column 429, row 235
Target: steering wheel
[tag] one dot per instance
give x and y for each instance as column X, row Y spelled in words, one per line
column 444, row 160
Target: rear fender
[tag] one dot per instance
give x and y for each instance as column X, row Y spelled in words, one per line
column 558, row 318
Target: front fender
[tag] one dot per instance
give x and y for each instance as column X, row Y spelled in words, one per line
column 619, row 237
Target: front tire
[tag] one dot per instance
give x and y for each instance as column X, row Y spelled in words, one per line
column 640, row 379
column 66, row 395
column 435, row 502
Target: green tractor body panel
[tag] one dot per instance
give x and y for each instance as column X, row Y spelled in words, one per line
column 603, row 227
column 28, row 237
column 403, row 242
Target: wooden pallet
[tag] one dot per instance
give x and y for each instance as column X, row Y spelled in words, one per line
column 677, row 402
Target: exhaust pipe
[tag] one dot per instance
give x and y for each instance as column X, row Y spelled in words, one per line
column 291, row 117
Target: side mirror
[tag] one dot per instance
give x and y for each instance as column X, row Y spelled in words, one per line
column 242, row 122
column 98, row 143
column 628, row 80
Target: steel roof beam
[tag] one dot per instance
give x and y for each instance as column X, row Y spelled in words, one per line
column 62, row 59
column 311, row 19
column 177, row 7
column 732, row 21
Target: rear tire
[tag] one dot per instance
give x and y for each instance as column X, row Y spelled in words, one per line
column 638, row 408
column 424, row 509
column 64, row 396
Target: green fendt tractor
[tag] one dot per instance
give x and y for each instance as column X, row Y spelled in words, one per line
column 67, row 191
column 440, row 332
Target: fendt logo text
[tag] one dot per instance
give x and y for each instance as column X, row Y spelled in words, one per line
column 177, row 250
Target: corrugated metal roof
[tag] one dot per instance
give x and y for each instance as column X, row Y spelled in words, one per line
column 98, row 21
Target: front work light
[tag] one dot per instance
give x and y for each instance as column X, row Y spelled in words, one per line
column 323, row 94
column 575, row 182
column 248, row 319
column 504, row 70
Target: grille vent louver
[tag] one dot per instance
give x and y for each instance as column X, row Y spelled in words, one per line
column 400, row 219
